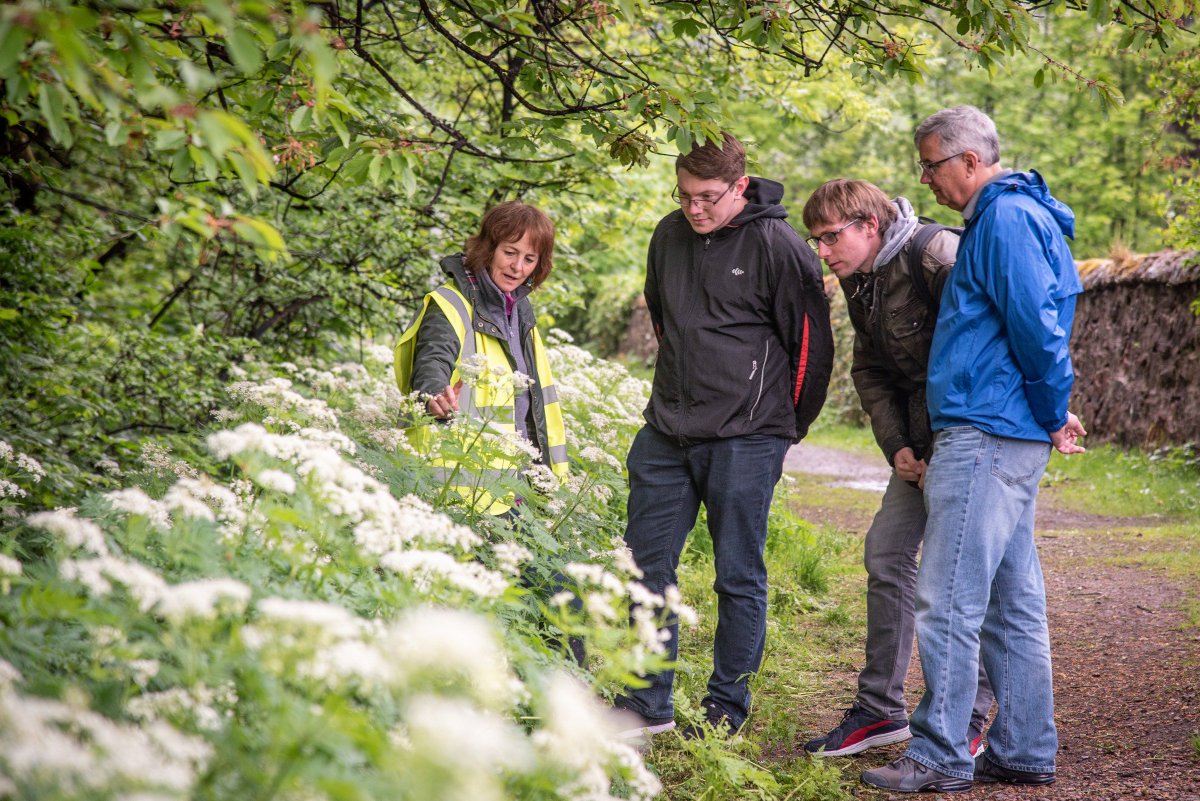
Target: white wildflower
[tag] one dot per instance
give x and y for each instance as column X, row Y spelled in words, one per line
column 425, row 567
column 143, row 670
column 276, row 480
column 381, row 354
column 6, row 451
column 87, row 752
column 541, row 478
column 451, row 643
column 203, row 598
column 9, row 566
column 10, row 490
column 159, row 459
column 576, row 729
column 31, row 466
column 109, row 466
column 479, row 743
column 595, row 575
column 143, row 584
column 622, row 559
column 600, row 456
column 134, row 501
column 78, row 534
column 510, row 556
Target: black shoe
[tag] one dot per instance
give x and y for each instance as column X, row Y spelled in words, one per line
column 715, row 720
column 988, row 772
column 858, row 731
column 910, row 776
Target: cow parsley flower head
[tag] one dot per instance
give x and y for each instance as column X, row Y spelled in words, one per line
column 77, row 533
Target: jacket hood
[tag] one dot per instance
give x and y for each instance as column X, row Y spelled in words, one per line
column 763, row 199
column 1032, row 184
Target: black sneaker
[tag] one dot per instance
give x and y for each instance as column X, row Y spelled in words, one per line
column 715, row 720
column 858, row 731
column 988, row 772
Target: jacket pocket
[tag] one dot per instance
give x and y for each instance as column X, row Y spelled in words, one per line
column 758, row 373
column 908, row 320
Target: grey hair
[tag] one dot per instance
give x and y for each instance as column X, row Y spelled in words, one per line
column 960, row 129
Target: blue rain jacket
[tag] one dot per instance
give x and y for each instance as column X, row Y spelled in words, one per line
column 999, row 360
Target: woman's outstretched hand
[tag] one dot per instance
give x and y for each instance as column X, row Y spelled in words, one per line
column 445, row 403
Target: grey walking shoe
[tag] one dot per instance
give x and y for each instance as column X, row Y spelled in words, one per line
column 906, row 775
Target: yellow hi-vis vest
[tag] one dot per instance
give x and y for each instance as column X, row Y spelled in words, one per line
column 492, row 402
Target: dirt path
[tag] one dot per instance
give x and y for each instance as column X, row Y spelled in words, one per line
column 1126, row 666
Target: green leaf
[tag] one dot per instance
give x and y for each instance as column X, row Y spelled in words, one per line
column 376, row 172
column 300, row 118
column 261, row 233
column 244, row 48
column 9, row 314
column 12, row 44
column 1039, row 78
column 51, row 102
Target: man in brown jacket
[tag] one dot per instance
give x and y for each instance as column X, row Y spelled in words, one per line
column 868, row 242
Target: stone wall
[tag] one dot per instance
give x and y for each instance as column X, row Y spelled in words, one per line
column 1136, row 350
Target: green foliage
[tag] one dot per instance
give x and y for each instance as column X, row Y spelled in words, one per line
column 1113, row 482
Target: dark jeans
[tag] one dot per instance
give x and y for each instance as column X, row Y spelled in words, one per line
column 735, row 479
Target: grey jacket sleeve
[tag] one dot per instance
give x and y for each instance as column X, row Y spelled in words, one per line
column 436, row 352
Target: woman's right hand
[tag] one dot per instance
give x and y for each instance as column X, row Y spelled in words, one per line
column 445, row 403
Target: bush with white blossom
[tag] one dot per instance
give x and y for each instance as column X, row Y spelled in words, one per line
column 309, row 614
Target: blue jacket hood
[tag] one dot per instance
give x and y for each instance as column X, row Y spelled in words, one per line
column 1032, row 184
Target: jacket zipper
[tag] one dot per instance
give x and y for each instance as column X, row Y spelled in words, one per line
column 762, row 373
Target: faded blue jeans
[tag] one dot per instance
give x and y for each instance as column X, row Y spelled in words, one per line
column 735, row 480
column 890, row 557
column 980, row 596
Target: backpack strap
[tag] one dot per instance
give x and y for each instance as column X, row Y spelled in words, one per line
column 916, row 257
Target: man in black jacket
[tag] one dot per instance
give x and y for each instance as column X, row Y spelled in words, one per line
column 745, row 353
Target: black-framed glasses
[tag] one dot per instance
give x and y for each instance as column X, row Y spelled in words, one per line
column 830, row 238
column 705, row 201
column 930, row 167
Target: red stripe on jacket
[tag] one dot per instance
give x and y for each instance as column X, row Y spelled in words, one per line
column 803, row 366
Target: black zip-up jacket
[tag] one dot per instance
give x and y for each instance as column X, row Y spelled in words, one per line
column 745, row 345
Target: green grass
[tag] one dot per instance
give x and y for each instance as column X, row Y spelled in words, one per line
column 1108, row 481
column 856, row 439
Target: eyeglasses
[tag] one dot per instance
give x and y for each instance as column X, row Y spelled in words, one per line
column 930, row 167
column 830, row 238
column 705, row 201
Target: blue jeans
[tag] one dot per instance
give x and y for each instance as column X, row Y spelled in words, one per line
column 890, row 556
column 735, row 479
column 980, row 596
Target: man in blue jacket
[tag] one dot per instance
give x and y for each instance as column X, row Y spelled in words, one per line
column 745, row 351
column 1000, row 377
